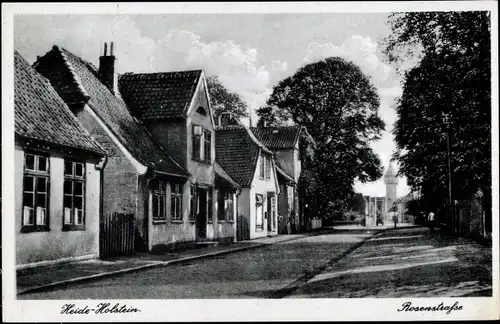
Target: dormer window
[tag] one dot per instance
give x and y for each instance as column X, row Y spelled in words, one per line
column 201, row 111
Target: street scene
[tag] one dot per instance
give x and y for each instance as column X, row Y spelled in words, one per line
column 407, row 262
column 194, row 156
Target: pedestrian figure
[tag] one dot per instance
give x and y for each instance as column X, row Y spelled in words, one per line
column 395, row 220
column 430, row 221
column 363, row 222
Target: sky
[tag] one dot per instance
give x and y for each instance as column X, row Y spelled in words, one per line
column 250, row 53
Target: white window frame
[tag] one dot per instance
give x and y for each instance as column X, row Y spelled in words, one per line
column 35, row 218
column 176, row 202
column 159, row 196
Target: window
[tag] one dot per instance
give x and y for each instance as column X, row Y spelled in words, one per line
column 74, row 195
column 196, row 142
column 192, row 203
column 259, row 214
column 201, row 111
column 221, row 206
column 273, row 213
column 202, row 144
column 159, row 201
column 207, row 138
column 262, row 166
column 176, row 202
column 265, row 167
column 225, row 206
column 229, row 207
column 209, row 205
column 35, row 193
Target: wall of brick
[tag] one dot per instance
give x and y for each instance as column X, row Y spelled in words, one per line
column 120, row 177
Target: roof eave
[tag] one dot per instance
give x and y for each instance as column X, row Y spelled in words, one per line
column 26, row 140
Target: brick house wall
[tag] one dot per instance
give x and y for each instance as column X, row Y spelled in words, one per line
column 120, row 178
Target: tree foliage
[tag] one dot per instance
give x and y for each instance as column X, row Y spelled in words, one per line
column 339, row 106
column 452, row 77
column 222, row 100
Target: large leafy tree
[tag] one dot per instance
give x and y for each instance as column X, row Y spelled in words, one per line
column 339, row 106
column 223, row 100
column 452, row 76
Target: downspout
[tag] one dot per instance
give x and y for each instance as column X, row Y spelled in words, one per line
column 149, row 176
column 237, row 220
column 100, row 167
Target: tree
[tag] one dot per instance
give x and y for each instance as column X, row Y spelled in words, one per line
column 339, row 106
column 222, row 100
column 452, row 76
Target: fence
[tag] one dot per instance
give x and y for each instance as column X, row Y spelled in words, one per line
column 116, row 235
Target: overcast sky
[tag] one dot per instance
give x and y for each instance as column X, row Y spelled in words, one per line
column 249, row 52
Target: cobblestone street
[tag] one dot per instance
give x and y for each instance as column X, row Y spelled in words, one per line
column 407, row 263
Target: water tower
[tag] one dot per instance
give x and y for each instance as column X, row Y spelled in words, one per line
column 391, row 184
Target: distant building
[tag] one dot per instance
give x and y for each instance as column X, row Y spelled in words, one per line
column 284, row 142
column 391, row 184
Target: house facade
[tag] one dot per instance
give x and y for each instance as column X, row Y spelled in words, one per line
column 284, row 142
column 58, row 170
column 141, row 178
column 175, row 108
column 253, row 167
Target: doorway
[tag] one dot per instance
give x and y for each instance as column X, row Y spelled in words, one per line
column 201, row 216
column 271, row 211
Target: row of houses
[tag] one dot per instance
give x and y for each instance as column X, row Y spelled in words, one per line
column 91, row 145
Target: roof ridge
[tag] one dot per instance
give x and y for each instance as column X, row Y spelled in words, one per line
column 256, row 141
column 158, row 73
column 280, row 126
column 76, row 78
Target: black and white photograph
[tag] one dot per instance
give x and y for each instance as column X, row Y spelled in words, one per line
column 287, row 161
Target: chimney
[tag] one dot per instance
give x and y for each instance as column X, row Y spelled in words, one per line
column 227, row 119
column 107, row 68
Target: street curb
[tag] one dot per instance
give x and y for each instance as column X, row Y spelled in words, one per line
column 290, row 288
column 149, row 266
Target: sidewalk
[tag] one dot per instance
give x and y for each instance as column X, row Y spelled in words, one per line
column 34, row 279
column 379, row 227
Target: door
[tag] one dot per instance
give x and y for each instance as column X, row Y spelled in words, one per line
column 271, row 211
column 201, row 216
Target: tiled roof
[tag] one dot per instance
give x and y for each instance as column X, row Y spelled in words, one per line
column 237, row 153
column 221, row 177
column 159, row 95
column 40, row 114
column 282, row 137
column 282, row 171
column 75, row 78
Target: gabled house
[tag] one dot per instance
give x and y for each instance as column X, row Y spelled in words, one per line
column 58, row 169
column 175, row 108
column 253, row 167
column 284, row 142
column 140, row 178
